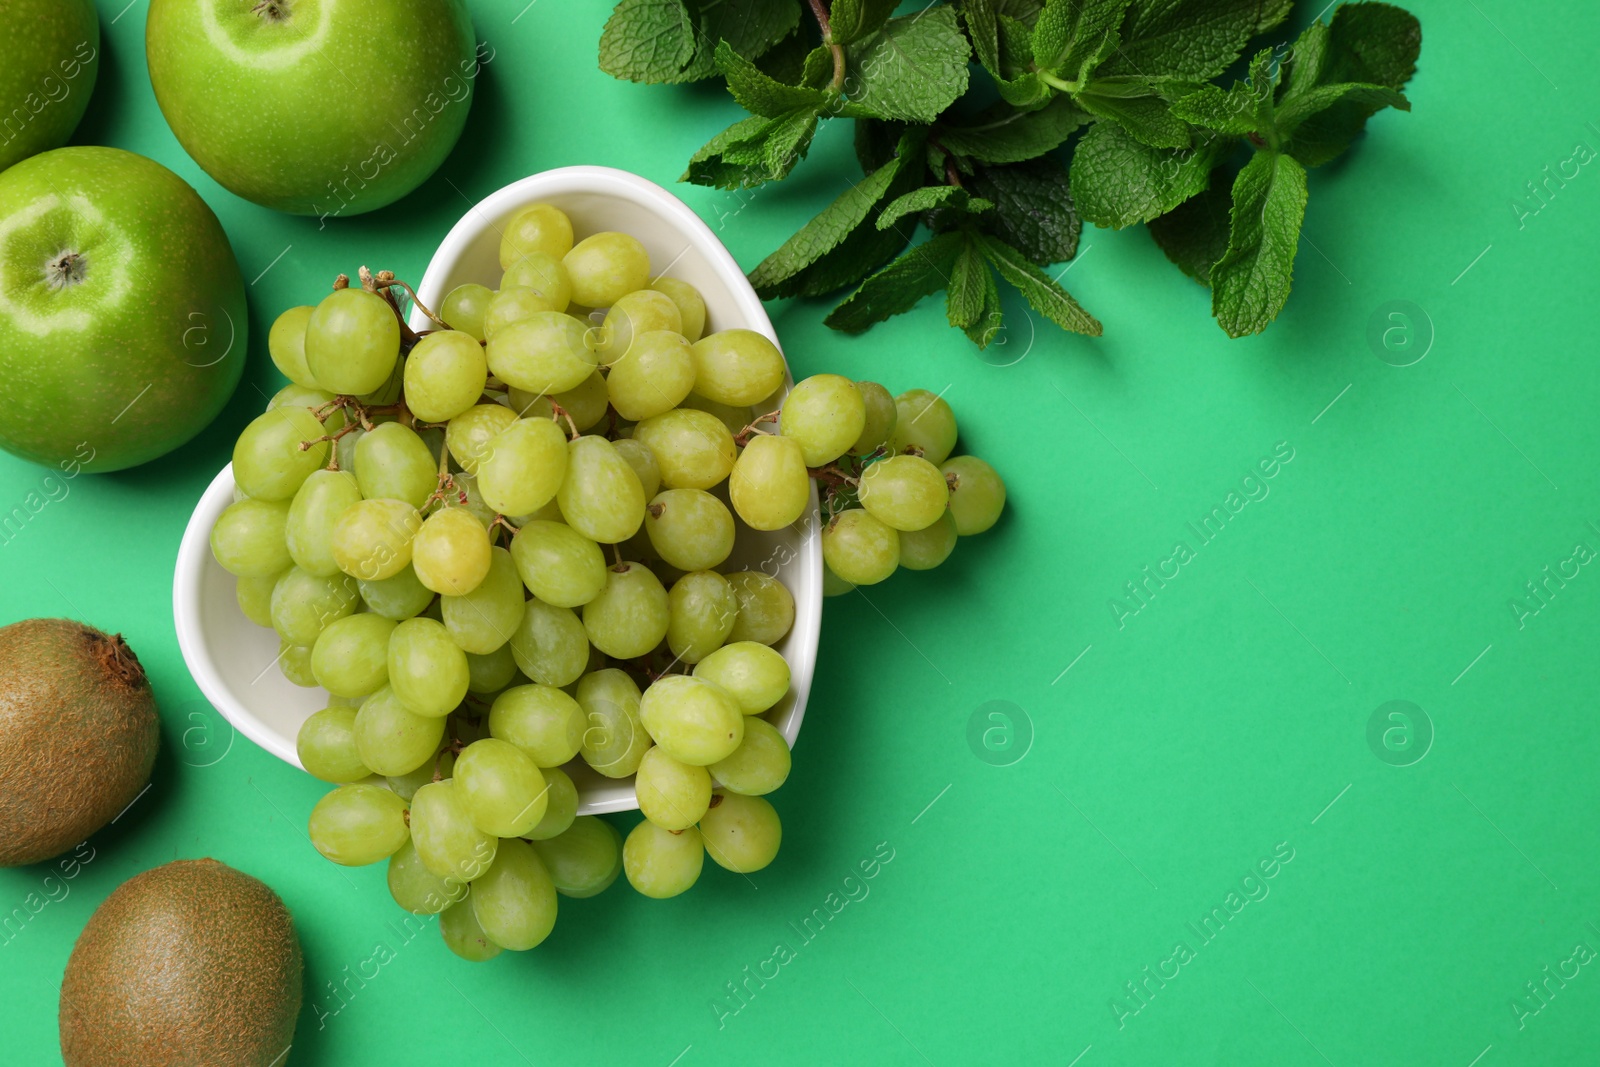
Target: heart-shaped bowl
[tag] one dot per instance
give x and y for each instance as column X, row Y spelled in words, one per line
column 234, row 661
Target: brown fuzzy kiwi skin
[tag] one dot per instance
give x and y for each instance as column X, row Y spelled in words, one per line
column 190, row 963
column 78, row 735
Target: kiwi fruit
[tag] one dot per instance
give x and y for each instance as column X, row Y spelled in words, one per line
column 78, row 735
column 190, row 963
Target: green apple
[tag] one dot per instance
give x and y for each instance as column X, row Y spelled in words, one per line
column 52, row 57
column 122, row 313
column 315, row 107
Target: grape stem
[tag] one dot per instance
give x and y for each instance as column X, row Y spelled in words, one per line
column 832, row 475
column 557, row 412
column 742, row 438
column 385, row 281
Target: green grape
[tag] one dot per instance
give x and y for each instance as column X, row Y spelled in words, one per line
column 397, row 597
column 759, row 765
column 654, row 377
column 427, row 670
column 490, row 672
column 464, row 936
column 544, row 274
column 358, row 824
column 417, row 889
column 392, row 463
column 690, row 528
column 372, row 539
column 701, row 608
column 660, row 863
column 925, row 549
column 300, row 396
column 833, row 585
column 469, row 433
column 351, row 657
column 672, row 795
column 352, row 341
column 294, row 662
column 692, row 720
column 550, row 645
column 766, row 608
column 248, row 538
column 977, row 494
column 584, row 404
column 514, row 305
column 558, row 564
column 693, row 449
column 541, row 720
column 324, row 497
column 444, row 375
column 521, row 468
column 637, row 313
column 643, row 462
column 344, row 449
column 255, row 598
column 537, row 228
column 860, row 548
column 561, row 805
column 514, row 901
column 735, row 418
column 770, row 486
column 614, row 740
column 741, row 833
column 483, row 620
column 438, row 768
column 756, row 676
column 450, row 553
column 737, row 367
column 447, row 842
column 462, row 492
column 691, row 305
column 326, row 745
column 345, row 702
column 923, row 421
column 464, row 306
column 905, row 492
column 500, row 787
column 880, row 418
column 584, row 859
column 286, row 344
column 304, row 604
column 606, row 267
column 600, row 497
column 391, row 738
column 629, row 617
column 388, row 392
column 268, row 462
column 543, row 353
column 825, row 415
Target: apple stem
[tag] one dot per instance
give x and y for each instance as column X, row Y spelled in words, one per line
column 65, row 269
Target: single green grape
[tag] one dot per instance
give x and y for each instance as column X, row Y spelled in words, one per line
column 427, row 670
column 693, row 449
column 694, row 721
column 584, row 859
column 268, row 462
column 388, row 392
column 977, row 494
column 352, row 341
column 541, row 720
column 286, row 344
column 355, row 825
column 469, row 433
column 444, row 375
column 825, row 415
column 766, row 608
column 734, row 417
column 905, row 492
column 561, row 805
column 653, row 377
column 514, row 305
column 923, row 421
column 925, row 549
column 417, row 889
column 635, row 314
column 490, row 672
column 544, row 274
column 304, row 604
column 521, row 467
column 317, row 507
column 448, row 843
column 880, row 411
column 770, row 486
column 600, row 497
column 701, row 608
column 628, row 617
column 351, row 656
column 514, row 901
column 585, row 403
column 558, row 564
column 759, row 765
column 392, row 463
column 537, row 228
column 464, row 306
column 255, row 598
column 294, row 663
column 690, row 528
column 606, row 267
column 482, row 621
column 326, row 745
column 756, row 676
column 464, row 936
column 691, row 305
column 643, row 462
column 501, row 787
column 372, row 538
column 390, row 738
column 832, row 584
column 550, row 645
column 399, row 596
column 741, row 833
column 450, row 552
column 435, row 769
column 671, row 794
column 542, row 353
column 737, row 367
column 248, row 538
column 860, row 548
column 614, row 740
column 660, row 863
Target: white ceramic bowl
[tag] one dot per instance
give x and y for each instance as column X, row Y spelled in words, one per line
column 233, row 660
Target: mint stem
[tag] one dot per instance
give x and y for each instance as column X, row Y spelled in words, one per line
column 826, row 27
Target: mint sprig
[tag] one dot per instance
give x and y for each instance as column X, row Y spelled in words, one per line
column 1112, row 111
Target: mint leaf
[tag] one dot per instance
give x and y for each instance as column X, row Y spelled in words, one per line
column 911, row 70
column 1245, row 108
column 1071, row 35
column 760, row 94
column 1376, row 43
column 1024, row 11
column 1368, row 98
column 1019, row 84
column 1039, row 289
column 1307, row 56
column 897, row 288
column 969, row 277
column 857, row 256
column 1250, row 284
column 983, row 329
column 750, row 29
column 1193, row 39
column 1148, row 119
column 929, row 198
column 1194, row 235
column 753, row 151
column 1117, row 181
column 851, row 20
column 1004, row 134
column 1033, row 211
column 1366, row 44
column 875, row 143
column 983, row 29
column 786, row 61
column 647, row 40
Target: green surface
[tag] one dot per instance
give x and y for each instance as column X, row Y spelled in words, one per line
column 1226, row 720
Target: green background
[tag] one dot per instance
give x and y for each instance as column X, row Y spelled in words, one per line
column 1225, row 721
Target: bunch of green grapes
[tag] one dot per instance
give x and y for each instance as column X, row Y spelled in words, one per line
column 497, row 546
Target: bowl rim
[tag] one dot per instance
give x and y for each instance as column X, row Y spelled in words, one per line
column 194, row 552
